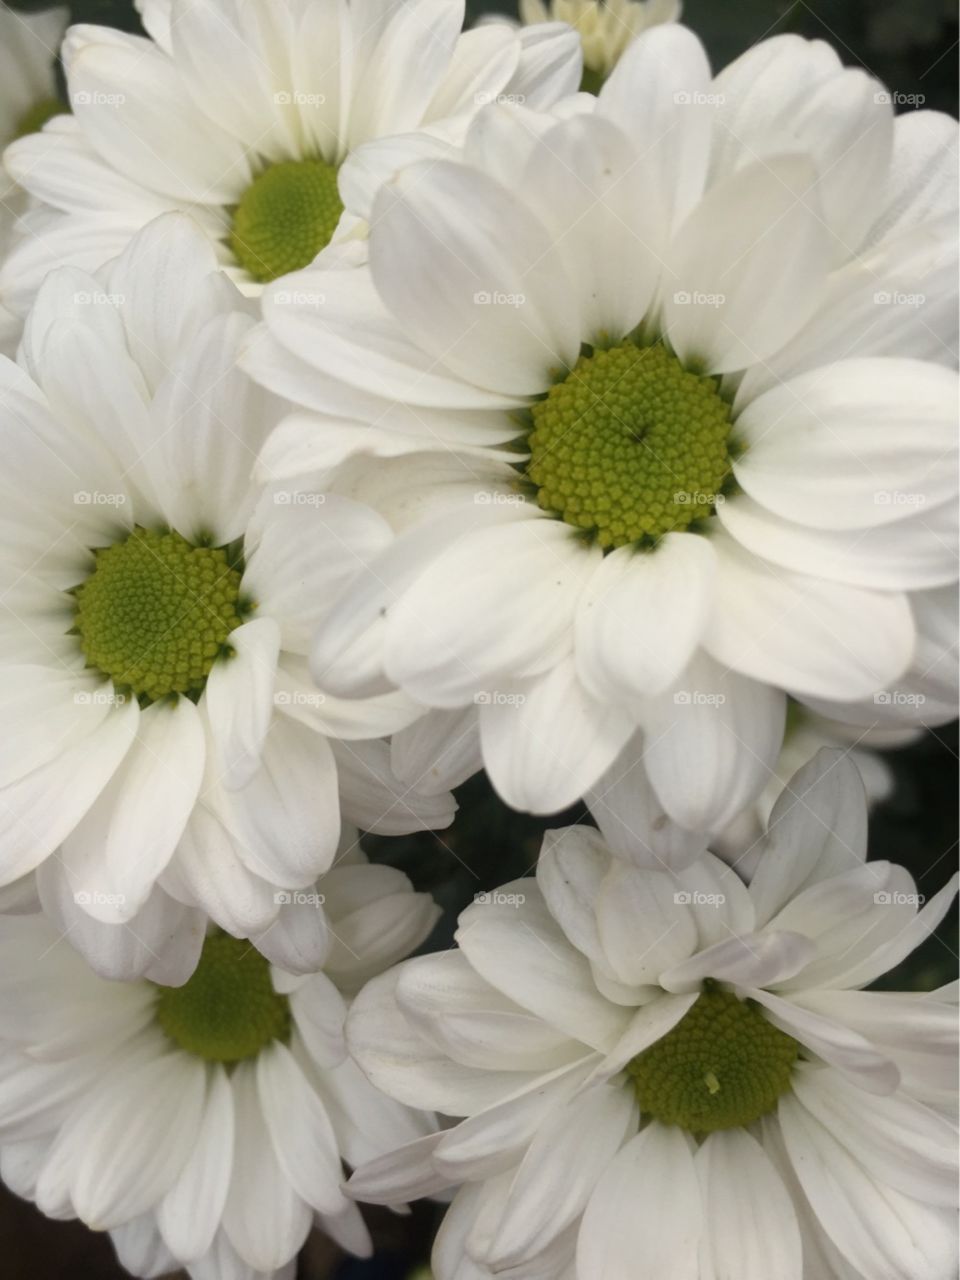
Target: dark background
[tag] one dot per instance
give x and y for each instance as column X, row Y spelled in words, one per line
column 911, row 47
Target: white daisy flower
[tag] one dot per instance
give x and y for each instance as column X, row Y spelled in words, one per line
column 28, row 98
column 203, row 1126
column 672, row 1074
column 605, row 27
column 242, row 115
column 698, row 442
column 165, row 749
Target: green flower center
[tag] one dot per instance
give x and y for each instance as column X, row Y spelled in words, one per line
column 630, row 445
column 228, row 1010
column 33, row 120
column 285, row 217
column 721, row 1067
column 156, row 612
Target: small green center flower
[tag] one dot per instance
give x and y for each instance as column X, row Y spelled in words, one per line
column 721, row 1067
column 228, row 1010
column 285, row 217
column 156, row 612
column 630, row 445
column 33, row 120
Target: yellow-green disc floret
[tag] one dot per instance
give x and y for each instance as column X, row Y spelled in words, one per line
column 228, row 1010
column 630, row 445
column 156, row 612
column 721, row 1067
column 285, row 217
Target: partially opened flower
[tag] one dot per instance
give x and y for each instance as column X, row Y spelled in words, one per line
column 28, row 53
column 605, row 27
column 687, row 353
column 203, row 1126
column 675, row 1075
column 164, row 749
column 242, row 115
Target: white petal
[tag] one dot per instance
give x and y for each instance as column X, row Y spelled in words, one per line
column 239, row 700
column 407, row 1173
column 816, row 829
column 900, row 1143
column 489, row 298
column 837, row 1045
column 266, row 1220
column 747, row 268
column 124, row 841
column 298, row 940
column 550, row 66
column 645, row 1216
column 711, row 743
column 572, row 1149
column 546, row 744
column 757, row 959
column 303, row 1139
column 657, row 92
column 488, row 609
column 642, row 615
column 829, row 448
column 750, row 1228
column 189, row 1214
column 519, row 949
column 811, row 636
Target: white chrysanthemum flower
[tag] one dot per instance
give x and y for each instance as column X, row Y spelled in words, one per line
column 605, row 27
column 28, row 98
column 164, row 748
column 674, row 1075
column 683, row 353
column 242, row 115
column 204, row 1125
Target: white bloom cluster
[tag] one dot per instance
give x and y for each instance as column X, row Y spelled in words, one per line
column 386, row 402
